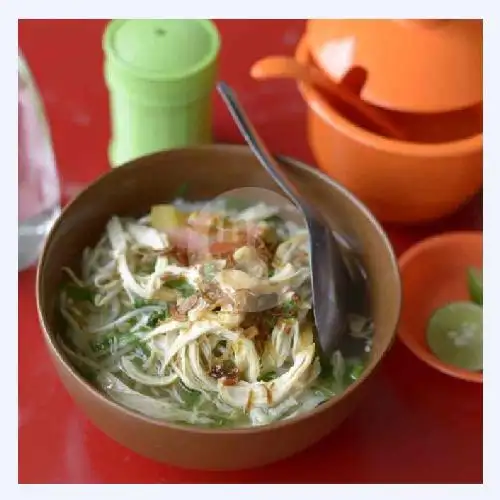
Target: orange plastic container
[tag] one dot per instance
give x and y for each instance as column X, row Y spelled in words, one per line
column 433, row 274
column 403, row 181
column 399, row 181
column 413, row 65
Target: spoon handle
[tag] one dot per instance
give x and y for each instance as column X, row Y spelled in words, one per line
column 273, row 168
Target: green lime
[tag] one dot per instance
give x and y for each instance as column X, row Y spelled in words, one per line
column 475, row 282
column 455, row 335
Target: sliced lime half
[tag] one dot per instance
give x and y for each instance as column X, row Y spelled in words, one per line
column 455, row 335
column 475, row 283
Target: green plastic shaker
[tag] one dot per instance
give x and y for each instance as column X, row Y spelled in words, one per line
column 160, row 74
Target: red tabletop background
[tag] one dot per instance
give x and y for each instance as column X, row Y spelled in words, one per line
column 416, row 425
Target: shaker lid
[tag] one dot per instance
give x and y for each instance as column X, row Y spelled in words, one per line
column 162, row 49
column 415, row 65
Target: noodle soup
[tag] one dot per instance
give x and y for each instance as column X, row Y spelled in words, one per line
column 204, row 317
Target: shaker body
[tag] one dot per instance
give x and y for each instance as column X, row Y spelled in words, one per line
column 160, row 74
column 139, row 128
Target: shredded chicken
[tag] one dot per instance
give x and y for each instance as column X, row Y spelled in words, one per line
column 216, row 331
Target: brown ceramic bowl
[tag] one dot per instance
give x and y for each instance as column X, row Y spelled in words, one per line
column 131, row 190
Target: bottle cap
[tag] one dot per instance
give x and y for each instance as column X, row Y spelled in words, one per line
column 161, row 60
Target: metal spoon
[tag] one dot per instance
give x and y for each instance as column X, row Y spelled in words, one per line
column 331, row 281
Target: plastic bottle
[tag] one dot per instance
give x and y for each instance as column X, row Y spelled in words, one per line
column 160, row 74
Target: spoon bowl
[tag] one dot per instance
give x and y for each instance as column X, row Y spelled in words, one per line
column 331, row 280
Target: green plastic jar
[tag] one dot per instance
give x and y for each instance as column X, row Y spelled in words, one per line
column 160, row 74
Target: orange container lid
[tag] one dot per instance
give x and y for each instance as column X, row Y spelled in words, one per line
column 413, row 65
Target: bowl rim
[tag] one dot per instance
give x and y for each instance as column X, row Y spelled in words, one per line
column 55, row 350
column 369, row 139
column 410, row 256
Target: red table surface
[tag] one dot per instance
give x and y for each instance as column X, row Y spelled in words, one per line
column 416, row 425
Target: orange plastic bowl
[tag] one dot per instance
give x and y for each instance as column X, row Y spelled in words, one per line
column 399, row 181
column 434, row 273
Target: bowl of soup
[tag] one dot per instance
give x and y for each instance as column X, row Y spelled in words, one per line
column 175, row 302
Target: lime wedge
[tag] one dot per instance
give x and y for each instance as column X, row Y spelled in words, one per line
column 475, row 282
column 455, row 335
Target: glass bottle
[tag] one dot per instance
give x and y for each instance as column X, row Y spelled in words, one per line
column 38, row 181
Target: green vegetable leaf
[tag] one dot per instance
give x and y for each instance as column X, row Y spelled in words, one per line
column 181, row 285
column 141, row 353
column 138, row 303
column 156, row 317
column 189, row 396
column 356, row 370
column 116, row 340
column 106, row 342
column 267, row 377
column 221, row 422
column 289, row 308
column 182, row 190
column 78, row 293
